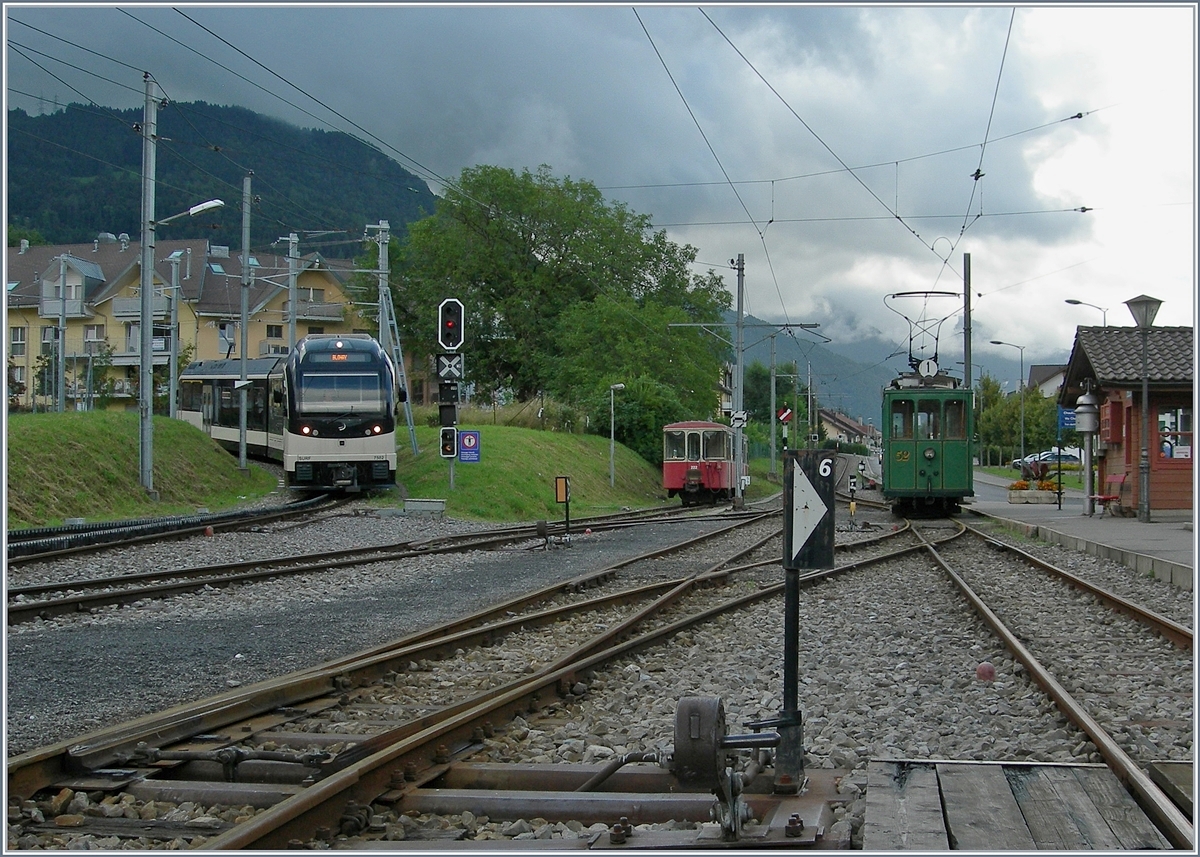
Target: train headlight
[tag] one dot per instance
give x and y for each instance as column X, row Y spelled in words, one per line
column 305, row 430
column 377, row 429
column 929, row 454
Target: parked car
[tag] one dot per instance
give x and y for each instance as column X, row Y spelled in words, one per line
column 1068, row 455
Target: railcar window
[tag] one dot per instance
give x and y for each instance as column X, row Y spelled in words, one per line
column 693, row 446
column 902, row 418
column 322, row 392
column 716, row 446
column 191, row 396
column 956, row 423
column 674, row 446
column 928, row 416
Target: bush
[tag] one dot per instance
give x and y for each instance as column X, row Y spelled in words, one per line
column 1019, row 485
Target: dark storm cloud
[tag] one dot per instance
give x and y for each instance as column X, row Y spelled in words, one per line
column 905, row 96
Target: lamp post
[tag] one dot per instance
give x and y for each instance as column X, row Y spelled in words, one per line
column 1144, row 308
column 146, row 356
column 1103, row 310
column 1020, row 388
column 612, row 433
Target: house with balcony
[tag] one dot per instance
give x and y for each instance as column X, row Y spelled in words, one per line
column 88, row 297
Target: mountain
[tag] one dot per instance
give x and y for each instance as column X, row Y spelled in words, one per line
column 839, row 382
column 77, row 172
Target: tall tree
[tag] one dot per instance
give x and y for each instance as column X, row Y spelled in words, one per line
column 523, row 251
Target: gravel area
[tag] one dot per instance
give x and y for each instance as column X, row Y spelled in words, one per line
column 888, row 656
column 71, row 675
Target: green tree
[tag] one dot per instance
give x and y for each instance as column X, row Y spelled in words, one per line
column 17, row 233
column 521, row 251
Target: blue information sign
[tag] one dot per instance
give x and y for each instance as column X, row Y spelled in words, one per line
column 1066, row 417
column 468, row 447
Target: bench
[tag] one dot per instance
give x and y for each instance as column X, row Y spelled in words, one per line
column 1112, row 485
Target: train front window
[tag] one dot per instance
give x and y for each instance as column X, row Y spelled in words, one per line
column 674, row 446
column 693, row 446
column 716, row 446
column 956, row 423
column 339, row 393
column 928, row 418
column 902, row 418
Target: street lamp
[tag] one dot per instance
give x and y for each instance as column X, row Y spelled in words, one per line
column 612, row 433
column 1103, row 310
column 146, row 357
column 1144, row 308
column 1020, row 388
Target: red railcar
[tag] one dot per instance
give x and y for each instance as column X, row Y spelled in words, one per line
column 698, row 462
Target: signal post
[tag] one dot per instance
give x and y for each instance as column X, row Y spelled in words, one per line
column 450, row 372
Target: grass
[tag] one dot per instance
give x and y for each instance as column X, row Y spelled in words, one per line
column 85, row 465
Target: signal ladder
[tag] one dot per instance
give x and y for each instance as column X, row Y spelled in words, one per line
column 389, row 336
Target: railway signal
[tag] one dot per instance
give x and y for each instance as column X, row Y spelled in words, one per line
column 449, row 447
column 450, row 324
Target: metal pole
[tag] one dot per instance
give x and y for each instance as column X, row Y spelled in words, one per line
column 293, row 255
column 1144, row 458
column 772, row 415
column 62, row 333
column 245, row 333
column 172, row 395
column 146, row 318
column 1021, row 390
column 612, row 437
column 738, row 458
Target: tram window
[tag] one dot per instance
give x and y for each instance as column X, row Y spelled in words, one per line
column 674, row 446
column 191, row 396
column 336, row 392
column 956, row 424
column 928, row 414
column 693, row 446
column 902, row 414
column 716, row 446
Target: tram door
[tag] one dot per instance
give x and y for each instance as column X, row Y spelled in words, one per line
column 207, row 406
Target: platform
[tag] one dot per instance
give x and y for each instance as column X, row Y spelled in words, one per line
column 1001, row 806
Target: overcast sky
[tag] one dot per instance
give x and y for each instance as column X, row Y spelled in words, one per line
column 835, row 147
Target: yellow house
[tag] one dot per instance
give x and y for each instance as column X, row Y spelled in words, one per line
column 196, row 314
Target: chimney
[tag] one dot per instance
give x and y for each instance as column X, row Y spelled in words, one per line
column 24, row 246
column 96, row 246
column 124, row 239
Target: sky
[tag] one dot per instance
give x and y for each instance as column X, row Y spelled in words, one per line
column 849, row 153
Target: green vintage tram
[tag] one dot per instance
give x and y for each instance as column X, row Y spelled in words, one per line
column 928, row 424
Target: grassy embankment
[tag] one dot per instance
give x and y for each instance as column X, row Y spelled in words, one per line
column 86, row 465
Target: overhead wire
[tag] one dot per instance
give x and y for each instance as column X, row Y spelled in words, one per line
column 716, row 157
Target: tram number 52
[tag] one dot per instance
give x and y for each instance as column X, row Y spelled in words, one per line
column 902, row 455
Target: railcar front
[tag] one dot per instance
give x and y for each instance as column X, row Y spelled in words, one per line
column 698, row 462
column 338, row 398
column 928, row 455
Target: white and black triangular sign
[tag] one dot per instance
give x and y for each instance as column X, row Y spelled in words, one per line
column 808, row 513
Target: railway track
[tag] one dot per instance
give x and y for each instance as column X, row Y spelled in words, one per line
column 329, row 752
column 44, row 601
column 1020, row 584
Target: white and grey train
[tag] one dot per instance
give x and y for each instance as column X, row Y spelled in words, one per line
column 327, row 411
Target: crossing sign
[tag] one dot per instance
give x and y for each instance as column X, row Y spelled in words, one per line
column 808, row 491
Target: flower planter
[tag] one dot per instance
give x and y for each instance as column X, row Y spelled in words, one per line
column 1033, row 496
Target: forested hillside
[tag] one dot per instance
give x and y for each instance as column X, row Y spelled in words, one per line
column 77, row 172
